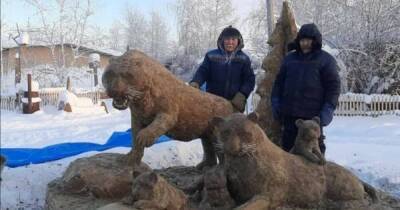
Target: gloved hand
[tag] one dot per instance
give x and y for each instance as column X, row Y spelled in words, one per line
column 276, row 108
column 239, row 102
column 195, row 85
column 326, row 114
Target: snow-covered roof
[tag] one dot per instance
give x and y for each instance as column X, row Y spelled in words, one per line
column 107, row 52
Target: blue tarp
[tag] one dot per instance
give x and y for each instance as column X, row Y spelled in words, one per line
column 25, row 156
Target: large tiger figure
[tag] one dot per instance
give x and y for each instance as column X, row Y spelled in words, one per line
column 161, row 104
column 261, row 175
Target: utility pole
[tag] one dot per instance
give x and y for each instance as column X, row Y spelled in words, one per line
column 270, row 16
column 21, row 40
column 18, row 66
column 94, row 63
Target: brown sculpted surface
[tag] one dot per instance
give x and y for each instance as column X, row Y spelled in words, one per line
column 151, row 191
column 260, row 175
column 160, row 103
column 284, row 32
column 306, row 143
column 215, row 194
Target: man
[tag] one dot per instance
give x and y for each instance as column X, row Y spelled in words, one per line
column 227, row 70
column 307, row 85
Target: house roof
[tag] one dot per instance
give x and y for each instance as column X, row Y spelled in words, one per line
column 107, row 52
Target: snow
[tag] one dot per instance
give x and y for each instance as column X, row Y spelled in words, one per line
column 94, row 57
column 69, row 97
column 23, row 38
column 367, row 146
column 34, row 100
column 45, row 75
column 330, row 50
column 23, row 86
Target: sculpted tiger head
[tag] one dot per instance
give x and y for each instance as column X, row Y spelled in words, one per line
column 238, row 133
column 122, row 79
column 144, row 186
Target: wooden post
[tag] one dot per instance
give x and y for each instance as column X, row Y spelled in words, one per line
column 30, row 106
column 69, row 84
column 96, row 80
column 30, row 110
column 18, row 66
column 17, row 80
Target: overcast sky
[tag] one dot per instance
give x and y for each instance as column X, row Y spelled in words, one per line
column 106, row 11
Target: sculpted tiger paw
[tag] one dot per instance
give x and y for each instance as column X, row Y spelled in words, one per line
column 145, row 138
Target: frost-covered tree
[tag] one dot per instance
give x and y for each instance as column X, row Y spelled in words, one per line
column 61, row 22
column 257, row 32
column 199, row 24
column 366, row 32
column 136, row 28
column 149, row 35
column 158, row 42
column 116, row 39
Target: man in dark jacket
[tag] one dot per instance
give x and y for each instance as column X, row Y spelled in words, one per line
column 307, row 85
column 227, row 70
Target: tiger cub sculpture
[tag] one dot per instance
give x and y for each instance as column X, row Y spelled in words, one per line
column 151, row 191
column 306, row 144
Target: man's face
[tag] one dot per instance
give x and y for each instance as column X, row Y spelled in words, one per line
column 306, row 45
column 230, row 44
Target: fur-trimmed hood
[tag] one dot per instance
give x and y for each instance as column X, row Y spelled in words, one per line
column 230, row 32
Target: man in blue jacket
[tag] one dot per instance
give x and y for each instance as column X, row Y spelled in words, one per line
column 307, row 85
column 227, row 70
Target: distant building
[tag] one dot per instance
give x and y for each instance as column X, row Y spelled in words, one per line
column 37, row 55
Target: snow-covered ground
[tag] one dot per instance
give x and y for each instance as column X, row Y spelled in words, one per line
column 368, row 146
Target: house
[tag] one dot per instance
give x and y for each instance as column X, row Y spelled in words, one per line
column 66, row 55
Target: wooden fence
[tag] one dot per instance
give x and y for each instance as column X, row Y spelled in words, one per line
column 8, row 103
column 360, row 104
column 49, row 97
column 349, row 104
column 367, row 105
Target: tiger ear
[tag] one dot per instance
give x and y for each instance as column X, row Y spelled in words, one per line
column 317, row 119
column 253, row 117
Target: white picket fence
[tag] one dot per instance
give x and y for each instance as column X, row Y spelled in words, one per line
column 8, row 103
column 357, row 104
column 49, row 97
column 349, row 104
column 368, row 105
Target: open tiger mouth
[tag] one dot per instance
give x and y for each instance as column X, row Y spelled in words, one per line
column 120, row 103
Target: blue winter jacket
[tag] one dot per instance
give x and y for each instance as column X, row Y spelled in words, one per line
column 226, row 74
column 307, row 85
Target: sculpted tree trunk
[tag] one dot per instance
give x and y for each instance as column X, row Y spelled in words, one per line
column 285, row 31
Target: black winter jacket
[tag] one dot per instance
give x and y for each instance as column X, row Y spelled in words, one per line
column 226, row 74
column 307, row 84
